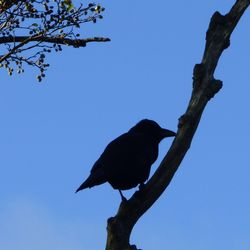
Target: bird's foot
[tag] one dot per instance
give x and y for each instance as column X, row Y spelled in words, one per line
column 138, row 192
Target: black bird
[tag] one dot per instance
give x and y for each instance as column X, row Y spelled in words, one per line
column 127, row 160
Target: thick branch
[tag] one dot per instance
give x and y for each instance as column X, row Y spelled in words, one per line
column 204, row 88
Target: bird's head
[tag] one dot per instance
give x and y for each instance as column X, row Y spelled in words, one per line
column 150, row 127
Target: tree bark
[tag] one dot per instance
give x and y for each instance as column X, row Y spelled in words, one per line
column 205, row 87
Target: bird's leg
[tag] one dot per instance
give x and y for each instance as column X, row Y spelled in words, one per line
column 122, row 196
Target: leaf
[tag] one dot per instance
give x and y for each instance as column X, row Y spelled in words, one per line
column 69, row 5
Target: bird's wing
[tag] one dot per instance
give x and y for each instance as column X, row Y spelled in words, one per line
column 125, row 151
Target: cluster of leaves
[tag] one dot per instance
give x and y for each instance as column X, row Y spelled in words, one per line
column 31, row 29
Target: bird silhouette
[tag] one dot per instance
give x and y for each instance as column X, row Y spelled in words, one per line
column 127, row 160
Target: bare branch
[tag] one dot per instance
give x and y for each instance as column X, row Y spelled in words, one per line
column 204, row 88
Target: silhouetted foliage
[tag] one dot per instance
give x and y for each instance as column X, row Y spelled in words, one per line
column 31, row 29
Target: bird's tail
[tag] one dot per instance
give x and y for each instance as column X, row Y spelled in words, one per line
column 85, row 184
column 94, row 179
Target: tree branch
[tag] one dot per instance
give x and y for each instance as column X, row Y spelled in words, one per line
column 58, row 40
column 6, row 4
column 46, row 25
column 204, row 88
column 40, row 38
column 21, row 44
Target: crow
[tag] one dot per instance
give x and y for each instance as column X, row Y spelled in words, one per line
column 126, row 161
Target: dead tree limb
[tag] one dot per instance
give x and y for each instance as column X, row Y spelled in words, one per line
column 204, row 88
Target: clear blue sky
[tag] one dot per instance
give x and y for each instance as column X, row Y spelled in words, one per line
column 51, row 134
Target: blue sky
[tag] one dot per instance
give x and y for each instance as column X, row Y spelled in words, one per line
column 52, row 133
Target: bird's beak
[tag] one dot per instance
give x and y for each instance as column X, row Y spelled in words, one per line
column 167, row 133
